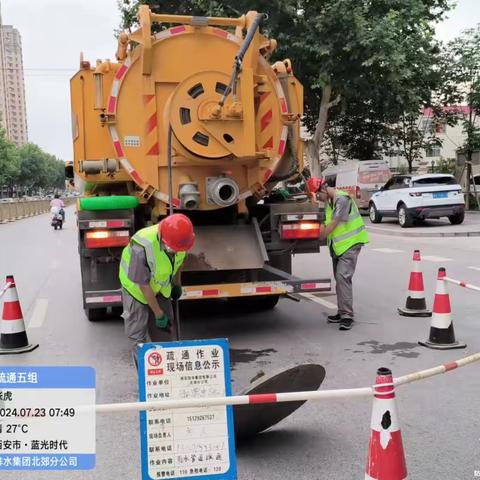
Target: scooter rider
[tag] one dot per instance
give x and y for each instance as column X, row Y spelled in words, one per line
column 57, row 203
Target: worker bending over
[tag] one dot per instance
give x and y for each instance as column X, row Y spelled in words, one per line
column 345, row 233
column 149, row 265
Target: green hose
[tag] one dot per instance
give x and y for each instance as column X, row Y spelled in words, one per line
column 108, row 202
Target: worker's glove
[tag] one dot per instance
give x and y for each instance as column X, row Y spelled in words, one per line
column 176, row 292
column 162, row 322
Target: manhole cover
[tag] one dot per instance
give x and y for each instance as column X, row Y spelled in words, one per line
column 253, row 419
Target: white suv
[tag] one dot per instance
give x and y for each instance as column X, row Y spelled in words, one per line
column 417, row 197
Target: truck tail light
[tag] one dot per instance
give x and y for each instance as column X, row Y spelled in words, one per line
column 358, row 193
column 107, row 238
column 300, row 230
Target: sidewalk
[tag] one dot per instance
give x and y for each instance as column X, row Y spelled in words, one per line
column 430, row 228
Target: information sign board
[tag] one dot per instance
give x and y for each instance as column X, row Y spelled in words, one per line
column 194, row 442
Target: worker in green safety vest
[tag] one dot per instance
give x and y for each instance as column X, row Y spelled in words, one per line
column 149, row 274
column 345, row 233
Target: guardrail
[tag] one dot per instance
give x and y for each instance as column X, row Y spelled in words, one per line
column 10, row 212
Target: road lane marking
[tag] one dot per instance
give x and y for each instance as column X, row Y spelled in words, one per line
column 387, row 250
column 321, row 301
column 433, row 258
column 474, row 268
column 39, row 313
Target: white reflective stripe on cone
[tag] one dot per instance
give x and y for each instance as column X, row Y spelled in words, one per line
column 12, row 326
column 380, row 407
column 441, row 320
column 441, row 288
column 416, row 294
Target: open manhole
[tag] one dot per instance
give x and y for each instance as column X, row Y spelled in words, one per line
column 252, row 419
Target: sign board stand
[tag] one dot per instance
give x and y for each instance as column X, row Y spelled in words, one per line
column 193, row 442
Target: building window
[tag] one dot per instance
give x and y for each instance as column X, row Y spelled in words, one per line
column 432, row 152
column 426, row 124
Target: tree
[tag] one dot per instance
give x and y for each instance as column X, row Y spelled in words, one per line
column 129, row 9
column 461, row 91
column 362, row 63
column 413, row 134
column 9, row 162
column 39, row 170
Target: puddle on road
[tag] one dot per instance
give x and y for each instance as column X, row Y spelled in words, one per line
column 399, row 349
column 246, row 355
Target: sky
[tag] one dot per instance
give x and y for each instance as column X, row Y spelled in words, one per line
column 54, row 32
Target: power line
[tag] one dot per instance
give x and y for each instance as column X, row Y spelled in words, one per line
column 40, row 69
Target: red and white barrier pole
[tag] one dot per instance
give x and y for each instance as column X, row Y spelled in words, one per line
column 4, row 289
column 461, row 283
column 283, row 397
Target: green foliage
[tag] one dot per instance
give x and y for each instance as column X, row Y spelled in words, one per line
column 412, row 137
column 445, row 166
column 9, row 161
column 402, row 169
column 29, row 167
column 461, row 85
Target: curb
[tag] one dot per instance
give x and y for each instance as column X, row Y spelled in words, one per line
column 410, row 233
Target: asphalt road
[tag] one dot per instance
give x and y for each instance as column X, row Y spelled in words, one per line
column 329, row 440
column 429, row 228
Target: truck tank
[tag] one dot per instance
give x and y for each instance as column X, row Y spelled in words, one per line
column 228, row 128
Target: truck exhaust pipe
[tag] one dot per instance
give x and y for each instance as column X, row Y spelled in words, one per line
column 189, row 196
column 222, row 191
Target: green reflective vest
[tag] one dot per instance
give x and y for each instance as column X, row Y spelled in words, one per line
column 346, row 234
column 160, row 265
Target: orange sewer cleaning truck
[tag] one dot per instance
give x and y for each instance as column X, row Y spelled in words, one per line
column 193, row 118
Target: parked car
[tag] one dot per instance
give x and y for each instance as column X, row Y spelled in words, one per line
column 417, row 197
column 359, row 178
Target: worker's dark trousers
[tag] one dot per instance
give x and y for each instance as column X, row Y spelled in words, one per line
column 140, row 322
column 343, row 270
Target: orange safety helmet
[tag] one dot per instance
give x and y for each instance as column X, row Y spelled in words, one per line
column 176, row 231
column 314, row 184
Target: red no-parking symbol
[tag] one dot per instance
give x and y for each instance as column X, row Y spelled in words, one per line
column 154, row 359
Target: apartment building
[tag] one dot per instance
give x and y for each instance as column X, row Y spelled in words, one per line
column 13, row 113
column 451, row 137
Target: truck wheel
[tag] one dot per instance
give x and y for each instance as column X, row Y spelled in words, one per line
column 257, row 304
column 375, row 217
column 96, row 314
column 405, row 219
column 457, row 219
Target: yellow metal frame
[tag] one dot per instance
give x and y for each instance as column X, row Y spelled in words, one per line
column 259, row 129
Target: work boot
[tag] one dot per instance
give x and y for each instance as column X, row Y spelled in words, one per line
column 334, row 318
column 346, row 324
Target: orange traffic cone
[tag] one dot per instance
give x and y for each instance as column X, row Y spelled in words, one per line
column 442, row 335
column 386, row 459
column 13, row 338
column 415, row 305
